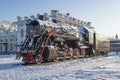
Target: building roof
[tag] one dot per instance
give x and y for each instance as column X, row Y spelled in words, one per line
column 8, row 34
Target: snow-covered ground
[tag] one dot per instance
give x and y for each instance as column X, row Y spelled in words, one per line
column 102, row 68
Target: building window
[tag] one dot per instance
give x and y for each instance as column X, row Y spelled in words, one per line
column 11, row 40
column 11, row 47
column 21, row 42
column 6, row 40
column 22, row 32
column 1, row 47
column 16, row 46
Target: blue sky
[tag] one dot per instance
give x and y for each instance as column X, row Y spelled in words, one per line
column 104, row 14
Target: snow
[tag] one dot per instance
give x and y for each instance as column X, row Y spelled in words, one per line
column 100, row 68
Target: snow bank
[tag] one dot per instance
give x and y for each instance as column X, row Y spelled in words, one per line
column 103, row 68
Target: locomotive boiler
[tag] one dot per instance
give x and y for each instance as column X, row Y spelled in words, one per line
column 48, row 41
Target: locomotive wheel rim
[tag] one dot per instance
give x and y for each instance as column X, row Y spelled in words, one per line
column 36, row 59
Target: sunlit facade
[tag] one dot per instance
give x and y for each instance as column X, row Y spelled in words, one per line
column 8, row 42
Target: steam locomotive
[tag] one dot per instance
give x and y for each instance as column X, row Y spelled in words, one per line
column 48, row 41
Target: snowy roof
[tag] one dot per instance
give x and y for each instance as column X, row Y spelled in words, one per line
column 83, row 29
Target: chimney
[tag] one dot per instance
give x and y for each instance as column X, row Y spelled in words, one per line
column 89, row 23
column 68, row 14
column 19, row 18
column 25, row 18
column 32, row 17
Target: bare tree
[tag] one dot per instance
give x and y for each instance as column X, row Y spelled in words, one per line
column 116, row 36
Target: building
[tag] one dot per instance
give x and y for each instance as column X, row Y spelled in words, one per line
column 67, row 19
column 8, row 42
column 115, row 45
column 8, row 38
